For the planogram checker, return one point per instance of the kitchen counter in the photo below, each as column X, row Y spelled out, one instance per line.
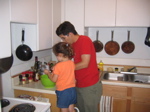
column 38, row 87
column 35, row 87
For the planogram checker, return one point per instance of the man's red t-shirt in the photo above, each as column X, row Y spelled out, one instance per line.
column 90, row 75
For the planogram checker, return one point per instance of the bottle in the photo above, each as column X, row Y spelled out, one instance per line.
column 101, row 64
column 36, row 68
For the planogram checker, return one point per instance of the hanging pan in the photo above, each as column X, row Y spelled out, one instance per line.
column 112, row 47
column 98, row 45
column 6, row 63
column 24, row 52
column 128, row 46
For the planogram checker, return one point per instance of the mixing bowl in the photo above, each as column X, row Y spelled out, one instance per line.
column 46, row 82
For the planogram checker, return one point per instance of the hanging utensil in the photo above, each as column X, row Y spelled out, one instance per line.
column 5, row 64
column 98, row 45
column 128, row 46
column 112, row 47
column 24, row 52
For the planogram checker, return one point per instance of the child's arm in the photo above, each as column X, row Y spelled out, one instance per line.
column 52, row 76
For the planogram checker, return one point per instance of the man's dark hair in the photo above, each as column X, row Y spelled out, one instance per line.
column 65, row 28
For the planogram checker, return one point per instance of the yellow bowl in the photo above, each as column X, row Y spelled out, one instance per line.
column 46, row 82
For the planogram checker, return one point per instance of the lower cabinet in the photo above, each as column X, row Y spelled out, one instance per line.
column 52, row 98
column 128, row 99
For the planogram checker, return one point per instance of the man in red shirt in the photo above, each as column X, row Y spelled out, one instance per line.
column 88, row 85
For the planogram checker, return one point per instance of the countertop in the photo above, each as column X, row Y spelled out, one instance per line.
column 38, row 87
column 35, row 87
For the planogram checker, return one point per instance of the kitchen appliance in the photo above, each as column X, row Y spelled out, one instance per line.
column 35, row 106
column 147, row 39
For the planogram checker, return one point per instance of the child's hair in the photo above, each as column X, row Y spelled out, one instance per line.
column 64, row 48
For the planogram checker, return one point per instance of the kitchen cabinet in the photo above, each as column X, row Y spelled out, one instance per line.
column 45, row 14
column 5, row 40
column 117, row 13
column 140, row 100
column 100, row 13
column 73, row 11
column 133, row 13
column 128, row 99
column 52, row 98
column 24, row 11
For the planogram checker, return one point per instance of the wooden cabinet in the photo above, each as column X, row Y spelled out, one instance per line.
column 133, row 13
column 52, row 98
column 128, row 99
column 140, row 100
column 100, row 12
column 119, row 94
column 73, row 11
column 45, row 14
column 5, row 40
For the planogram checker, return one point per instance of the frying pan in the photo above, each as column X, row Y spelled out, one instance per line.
column 5, row 64
column 112, row 47
column 128, row 46
column 98, row 45
column 24, row 52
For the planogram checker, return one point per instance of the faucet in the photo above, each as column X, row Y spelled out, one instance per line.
column 129, row 70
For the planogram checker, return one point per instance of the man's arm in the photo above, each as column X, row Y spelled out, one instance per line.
column 85, row 59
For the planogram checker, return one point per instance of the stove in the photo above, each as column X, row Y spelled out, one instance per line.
column 23, row 105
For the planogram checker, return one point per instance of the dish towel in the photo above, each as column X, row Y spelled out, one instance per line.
column 106, row 104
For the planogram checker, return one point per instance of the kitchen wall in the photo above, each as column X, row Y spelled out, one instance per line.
column 19, row 66
column 139, row 57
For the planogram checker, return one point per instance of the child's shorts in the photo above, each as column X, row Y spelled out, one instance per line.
column 66, row 97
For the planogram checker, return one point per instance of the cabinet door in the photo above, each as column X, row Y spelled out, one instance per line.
column 73, row 11
column 56, row 20
column 119, row 105
column 100, row 12
column 140, row 100
column 24, row 11
column 133, row 13
column 5, row 41
column 45, row 24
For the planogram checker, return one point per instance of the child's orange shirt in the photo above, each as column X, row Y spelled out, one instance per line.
column 66, row 76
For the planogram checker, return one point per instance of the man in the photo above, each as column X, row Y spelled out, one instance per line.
column 89, row 88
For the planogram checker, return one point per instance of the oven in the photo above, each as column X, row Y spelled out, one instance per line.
column 24, row 105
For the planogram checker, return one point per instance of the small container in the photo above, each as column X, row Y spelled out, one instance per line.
column 101, row 64
column 120, row 78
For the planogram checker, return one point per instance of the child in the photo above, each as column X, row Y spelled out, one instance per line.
column 63, row 75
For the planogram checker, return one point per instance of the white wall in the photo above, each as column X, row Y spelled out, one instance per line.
column 19, row 66
column 139, row 57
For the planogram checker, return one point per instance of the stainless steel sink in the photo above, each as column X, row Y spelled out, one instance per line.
column 138, row 78
column 115, row 76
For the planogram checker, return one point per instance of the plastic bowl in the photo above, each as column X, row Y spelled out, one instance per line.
column 46, row 82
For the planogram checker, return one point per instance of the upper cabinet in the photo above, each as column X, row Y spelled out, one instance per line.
column 5, row 40
column 24, row 11
column 133, row 13
column 73, row 11
column 100, row 12
column 41, row 13
column 117, row 13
